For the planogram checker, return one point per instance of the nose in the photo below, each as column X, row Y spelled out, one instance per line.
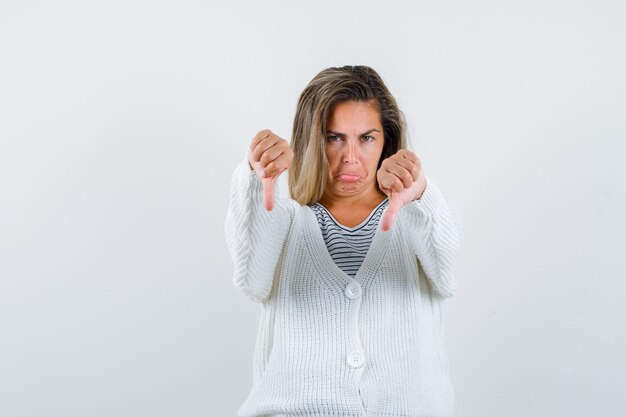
column 350, row 152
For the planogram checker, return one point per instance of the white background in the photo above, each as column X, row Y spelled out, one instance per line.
column 121, row 123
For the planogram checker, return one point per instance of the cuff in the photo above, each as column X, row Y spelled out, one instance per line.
column 256, row 186
column 432, row 200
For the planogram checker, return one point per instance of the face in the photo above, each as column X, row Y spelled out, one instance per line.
column 354, row 144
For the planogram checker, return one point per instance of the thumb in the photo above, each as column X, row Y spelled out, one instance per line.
column 395, row 204
column 268, row 192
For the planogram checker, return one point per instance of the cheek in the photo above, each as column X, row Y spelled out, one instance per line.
column 331, row 157
column 373, row 159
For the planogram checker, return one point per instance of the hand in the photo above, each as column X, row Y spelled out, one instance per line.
column 402, row 178
column 269, row 156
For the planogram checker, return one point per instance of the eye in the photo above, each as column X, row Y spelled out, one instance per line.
column 371, row 138
column 333, row 137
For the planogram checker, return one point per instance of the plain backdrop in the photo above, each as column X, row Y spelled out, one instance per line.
column 121, row 123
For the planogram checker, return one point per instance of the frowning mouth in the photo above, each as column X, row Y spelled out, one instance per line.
column 348, row 177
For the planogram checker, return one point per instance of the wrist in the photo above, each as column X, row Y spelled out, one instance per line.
column 418, row 198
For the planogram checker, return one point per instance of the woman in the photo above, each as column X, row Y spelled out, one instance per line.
column 351, row 270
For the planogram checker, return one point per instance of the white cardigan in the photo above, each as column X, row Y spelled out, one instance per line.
column 327, row 344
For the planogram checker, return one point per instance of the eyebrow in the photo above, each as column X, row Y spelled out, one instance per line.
column 343, row 134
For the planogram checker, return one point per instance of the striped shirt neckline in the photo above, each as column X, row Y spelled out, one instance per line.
column 348, row 246
column 351, row 229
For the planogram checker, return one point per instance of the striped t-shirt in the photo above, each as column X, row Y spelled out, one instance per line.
column 348, row 245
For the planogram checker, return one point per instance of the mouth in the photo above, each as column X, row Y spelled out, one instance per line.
column 348, row 177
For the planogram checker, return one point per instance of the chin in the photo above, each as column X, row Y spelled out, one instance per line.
column 350, row 186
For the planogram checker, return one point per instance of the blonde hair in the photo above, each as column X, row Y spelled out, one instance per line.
column 308, row 172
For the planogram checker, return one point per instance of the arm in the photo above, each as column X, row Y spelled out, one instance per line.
column 255, row 236
column 434, row 230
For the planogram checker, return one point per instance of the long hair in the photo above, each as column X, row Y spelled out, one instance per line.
column 308, row 172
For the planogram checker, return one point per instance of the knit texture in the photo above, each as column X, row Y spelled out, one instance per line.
column 332, row 345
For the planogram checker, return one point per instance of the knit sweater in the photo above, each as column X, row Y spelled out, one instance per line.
column 329, row 345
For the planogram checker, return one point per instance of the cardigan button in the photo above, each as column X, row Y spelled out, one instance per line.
column 353, row 290
column 356, row 359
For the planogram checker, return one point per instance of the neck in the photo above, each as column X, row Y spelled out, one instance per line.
column 370, row 198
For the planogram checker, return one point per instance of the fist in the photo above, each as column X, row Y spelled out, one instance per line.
column 269, row 155
column 402, row 178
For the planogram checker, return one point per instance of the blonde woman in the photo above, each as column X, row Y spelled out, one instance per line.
column 351, row 269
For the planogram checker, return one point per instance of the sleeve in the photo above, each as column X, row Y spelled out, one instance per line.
column 255, row 236
column 434, row 228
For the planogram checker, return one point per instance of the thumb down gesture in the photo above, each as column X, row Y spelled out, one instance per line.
column 402, row 178
column 269, row 155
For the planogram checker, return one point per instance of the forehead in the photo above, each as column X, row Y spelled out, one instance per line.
column 353, row 114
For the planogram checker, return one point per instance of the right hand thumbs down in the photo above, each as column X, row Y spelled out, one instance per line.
column 269, row 156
